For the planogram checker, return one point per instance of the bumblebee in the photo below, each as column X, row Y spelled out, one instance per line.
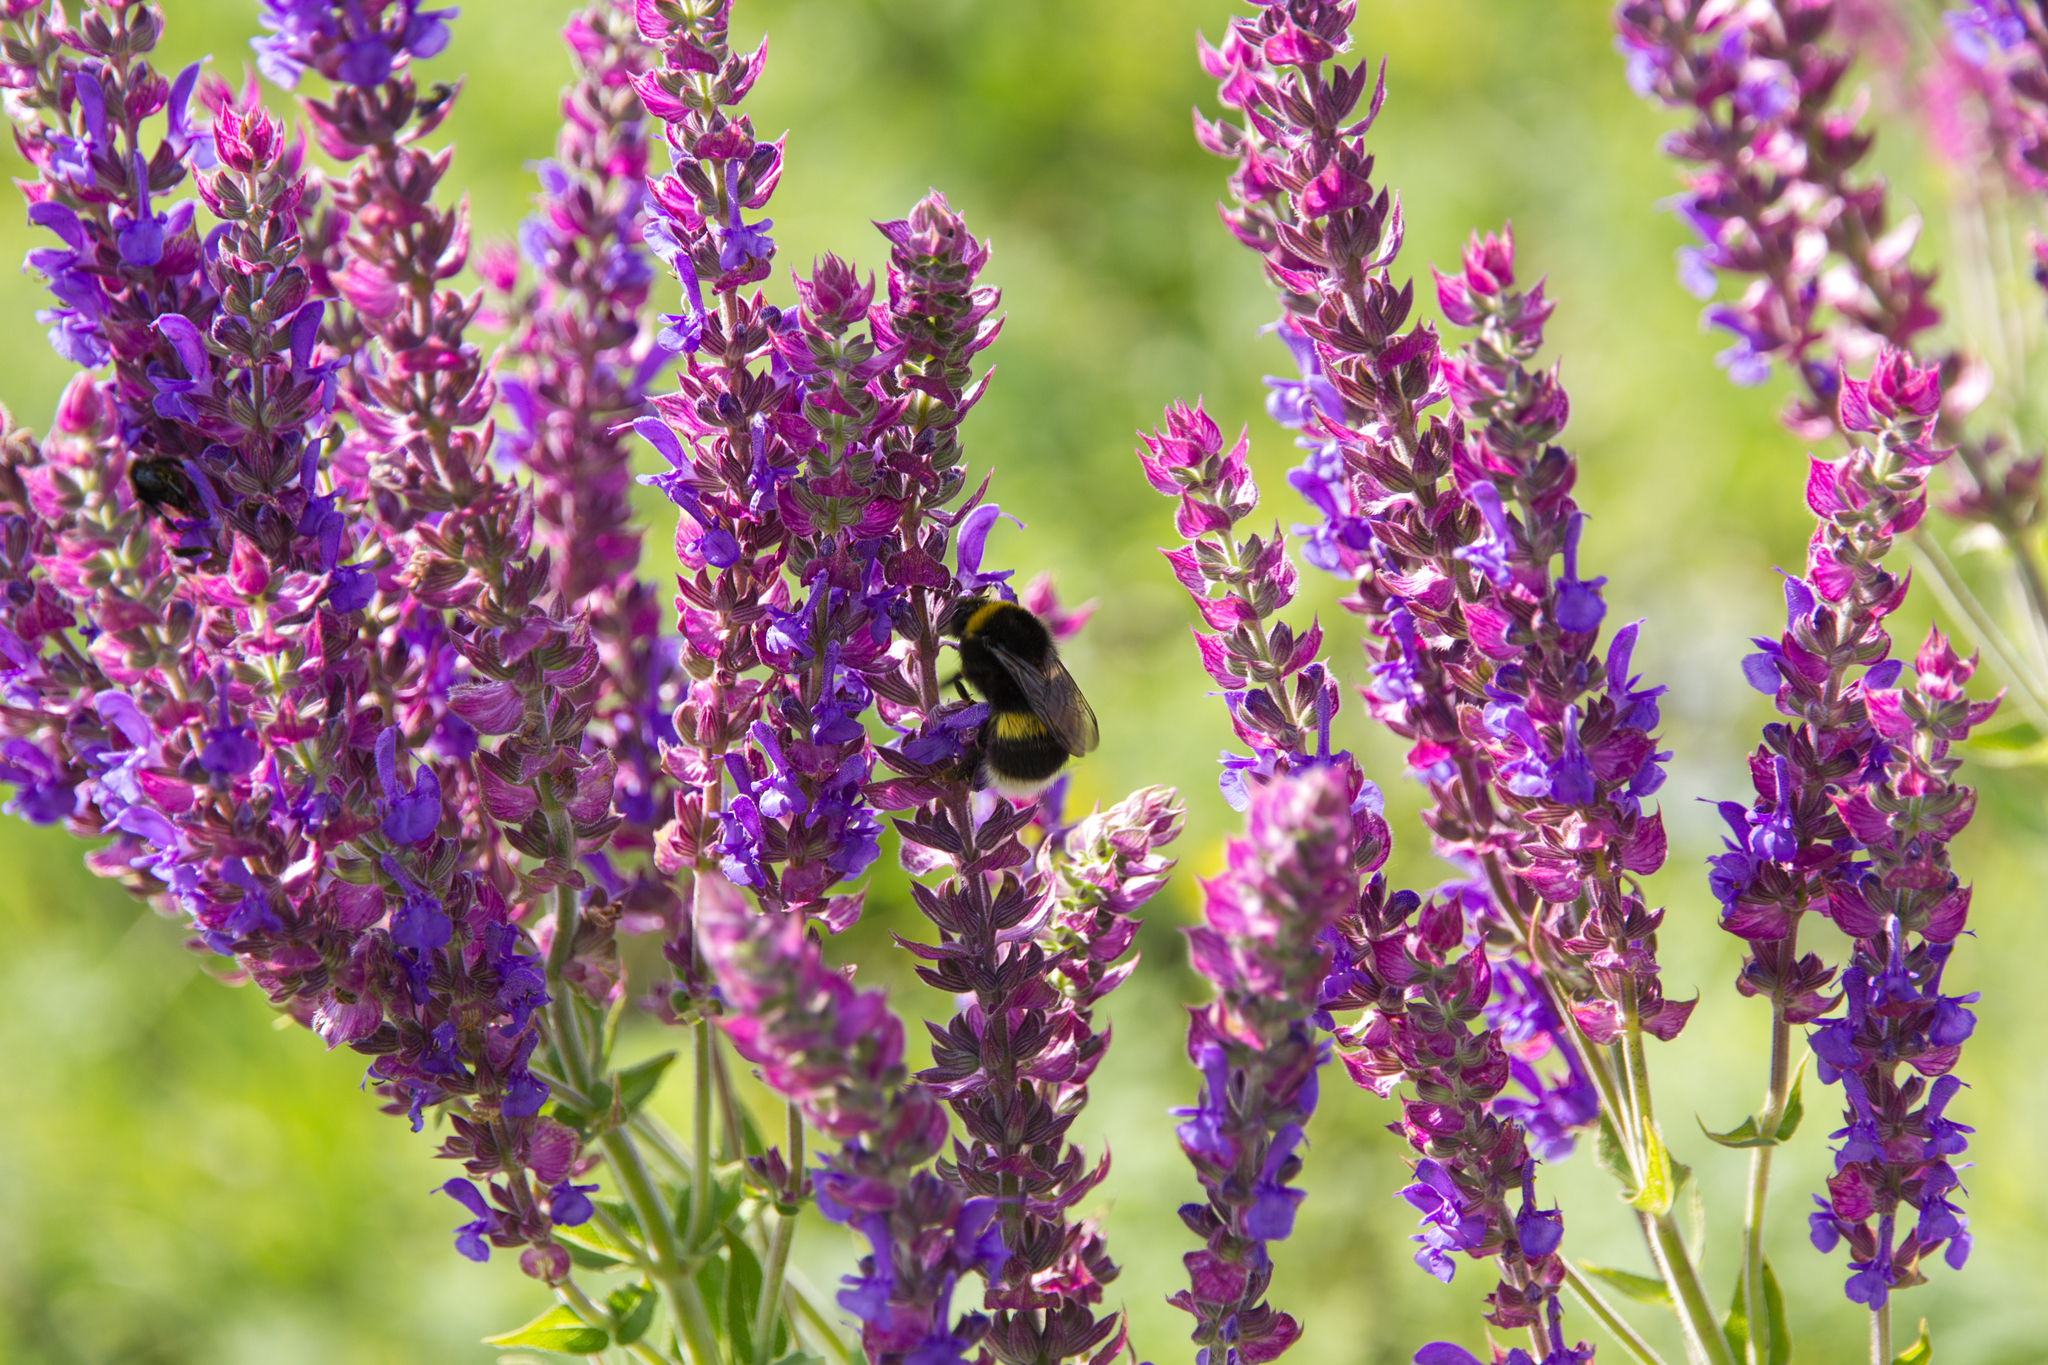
column 161, row 484
column 1037, row 717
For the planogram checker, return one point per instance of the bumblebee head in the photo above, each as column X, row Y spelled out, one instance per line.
column 954, row 621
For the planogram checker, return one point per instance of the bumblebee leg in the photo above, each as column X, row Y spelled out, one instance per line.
column 958, row 683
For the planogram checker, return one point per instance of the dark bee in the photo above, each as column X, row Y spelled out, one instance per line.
column 1037, row 717
column 162, row 485
column 430, row 103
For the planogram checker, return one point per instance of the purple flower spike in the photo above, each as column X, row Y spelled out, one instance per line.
column 838, row 1053
column 1262, row 944
column 1856, row 805
column 1447, row 526
column 202, row 460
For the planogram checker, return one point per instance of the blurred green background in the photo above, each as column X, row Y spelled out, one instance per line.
column 182, row 1182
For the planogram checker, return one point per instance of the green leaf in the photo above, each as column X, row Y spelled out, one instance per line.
column 621, row 1213
column 611, row 1030
column 593, row 1248
column 1695, row 1212
column 1795, row 1107
column 2007, row 746
column 632, row 1308
column 638, row 1082
column 728, row 1192
column 729, row 1189
column 584, row 1257
column 711, row 1282
column 1613, row 1157
column 612, row 1101
column 1777, row 1334
column 1751, row 1133
column 1641, row 1288
column 742, row 1295
column 1920, row 1352
column 1746, row 1135
column 1657, row 1191
column 1781, row 1329
column 800, row 1358
column 558, row 1329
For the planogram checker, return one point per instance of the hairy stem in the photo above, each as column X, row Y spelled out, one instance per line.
column 1638, row 1067
column 1760, row 1166
column 678, row 1285
column 1705, row 1343
column 663, row 1144
column 567, row 1040
column 771, row 1286
column 773, row 1268
column 732, row 1130
column 700, row 1182
column 1617, row 1326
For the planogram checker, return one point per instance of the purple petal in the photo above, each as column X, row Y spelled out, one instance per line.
column 186, row 340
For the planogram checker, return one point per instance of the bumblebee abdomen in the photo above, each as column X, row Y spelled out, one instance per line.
column 1020, row 752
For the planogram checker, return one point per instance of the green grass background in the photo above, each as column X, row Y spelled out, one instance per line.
column 182, row 1182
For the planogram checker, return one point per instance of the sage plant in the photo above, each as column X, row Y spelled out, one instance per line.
column 332, row 633
column 816, row 466
column 1854, row 809
column 1773, row 191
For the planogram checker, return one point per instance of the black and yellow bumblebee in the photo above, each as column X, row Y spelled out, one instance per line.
column 161, row 484
column 1037, row 717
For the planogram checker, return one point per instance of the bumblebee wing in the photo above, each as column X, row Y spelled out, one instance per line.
column 1055, row 699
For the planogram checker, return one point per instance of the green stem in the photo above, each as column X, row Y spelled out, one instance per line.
column 572, row 1294
column 1638, row 1065
column 663, row 1144
column 728, row 1108
column 1760, row 1168
column 2030, row 577
column 559, row 1086
column 597, row 1315
column 772, row 1270
column 1617, row 1326
column 700, row 1183
column 1611, row 1100
column 645, row 1200
column 642, row 1351
column 1705, row 1343
column 778, row 1247
column 568, row 1039
column 619, row 1233
column 686, row 1306
column 678, row 1286
column 1881, row 1334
